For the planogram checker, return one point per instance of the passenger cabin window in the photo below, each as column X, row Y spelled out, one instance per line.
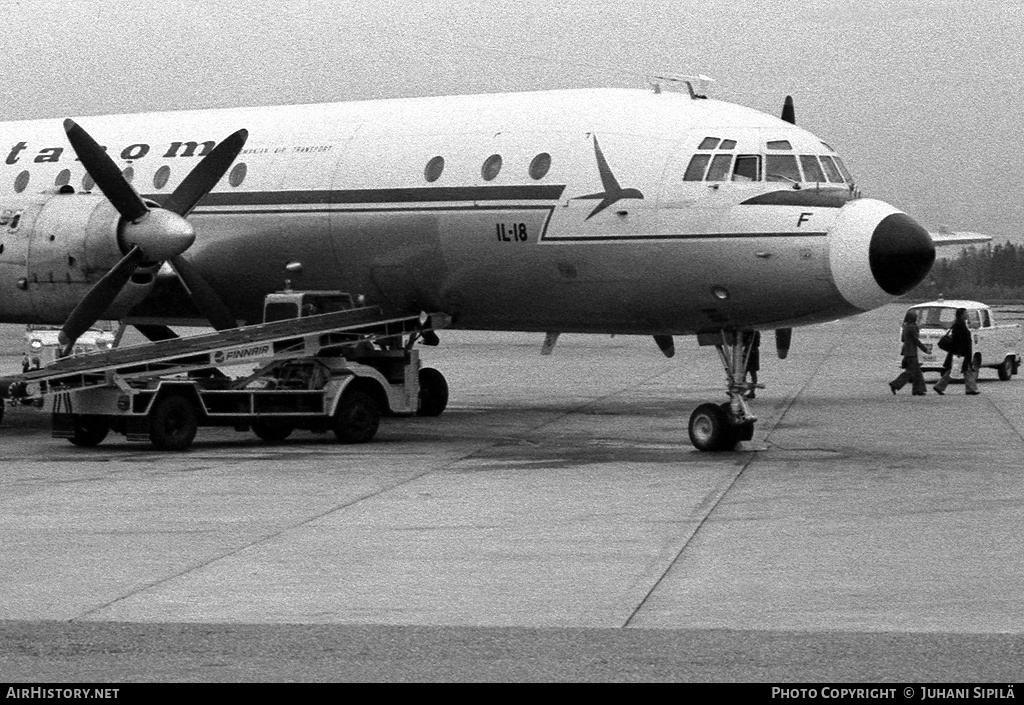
column 540, row 165
column 781, row 167
column 434, row 168
column 973, row 319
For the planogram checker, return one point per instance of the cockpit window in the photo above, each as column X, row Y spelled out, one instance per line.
column 720, row 166
column 780, row 144
column 727, row 144
column 831, row 170
column 695, row 170
column 709, row 143
column 748, row 168
column 812, row 170
column 781, row 167
column 843, row 170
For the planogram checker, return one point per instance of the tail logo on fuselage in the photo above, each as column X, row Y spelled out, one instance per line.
column 612, row 191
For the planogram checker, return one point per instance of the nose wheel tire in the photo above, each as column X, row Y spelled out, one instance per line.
column 712, row 431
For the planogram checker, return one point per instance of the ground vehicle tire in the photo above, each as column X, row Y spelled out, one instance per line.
column 433, row 393
column 173, row 423
column 272, row 430
column 710, row 429
column 89, row 431
column 1005, row 370
column 356, row 418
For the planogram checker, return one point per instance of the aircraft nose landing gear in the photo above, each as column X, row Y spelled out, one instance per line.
column 718, row 427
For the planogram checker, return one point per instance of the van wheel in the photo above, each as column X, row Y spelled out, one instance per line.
column 1005, row 370
column 173, row 423
column 89, row 432
column 357, row 418
column 433, row 393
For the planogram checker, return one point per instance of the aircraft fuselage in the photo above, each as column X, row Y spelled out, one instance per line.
column 571, row 211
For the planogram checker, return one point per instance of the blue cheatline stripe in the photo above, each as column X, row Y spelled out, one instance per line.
column 455, row 194
column 681, row 236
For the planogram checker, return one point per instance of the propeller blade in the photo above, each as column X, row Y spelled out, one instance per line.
column 666, row 345
column 105, row 173
column 789, row 111
column 201, row 180
column 783, row 339
column 206, row 299
column 90, row 308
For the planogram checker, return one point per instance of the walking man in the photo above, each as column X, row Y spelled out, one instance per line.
column 911, row 339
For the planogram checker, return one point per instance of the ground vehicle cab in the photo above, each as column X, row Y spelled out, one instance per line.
column 995, row 345
column 42, row 345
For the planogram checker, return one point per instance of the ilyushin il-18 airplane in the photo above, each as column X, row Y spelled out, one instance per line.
column 656, row 212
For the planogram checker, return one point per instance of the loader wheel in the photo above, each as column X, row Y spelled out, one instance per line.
column 173, row 423
column 357, row 417
column 433, row 393
column 89, row 432
column 273, row 430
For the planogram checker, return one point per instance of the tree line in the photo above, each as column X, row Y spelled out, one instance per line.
column 988, row 273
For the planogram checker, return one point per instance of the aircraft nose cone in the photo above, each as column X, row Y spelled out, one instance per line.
column 901, row 254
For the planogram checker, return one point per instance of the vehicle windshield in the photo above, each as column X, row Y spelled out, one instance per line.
column 943, row 317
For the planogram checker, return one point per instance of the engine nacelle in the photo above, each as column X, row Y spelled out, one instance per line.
column 55, row 251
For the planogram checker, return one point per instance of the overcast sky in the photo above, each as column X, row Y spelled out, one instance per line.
column 923, row 99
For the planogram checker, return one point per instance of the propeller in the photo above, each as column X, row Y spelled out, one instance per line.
column 149, row 234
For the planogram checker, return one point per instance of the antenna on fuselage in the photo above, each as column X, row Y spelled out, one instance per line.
column 676, row 82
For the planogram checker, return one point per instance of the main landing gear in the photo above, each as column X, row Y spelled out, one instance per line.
column 718, row 427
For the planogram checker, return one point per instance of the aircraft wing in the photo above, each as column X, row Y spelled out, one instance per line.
column 948, row 237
